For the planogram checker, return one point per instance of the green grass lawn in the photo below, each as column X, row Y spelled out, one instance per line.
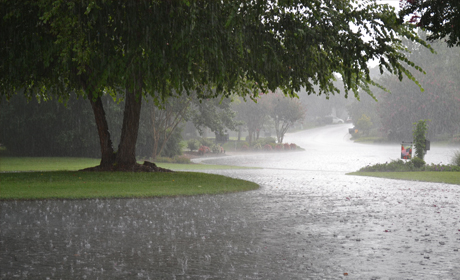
column 425, row 176
column 79, row 185
column 65, row 182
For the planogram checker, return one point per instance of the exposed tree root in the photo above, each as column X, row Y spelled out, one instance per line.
column 146, row 167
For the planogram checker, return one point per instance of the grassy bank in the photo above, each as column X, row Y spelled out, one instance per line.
column 18, row 164
column 414, row 170
column 80, row 185
column 425, row 176
column 57, row 178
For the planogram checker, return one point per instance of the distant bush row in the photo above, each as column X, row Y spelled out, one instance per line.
column 269, row 147
column 416, row 164
column 265, row 144
column 203, row 145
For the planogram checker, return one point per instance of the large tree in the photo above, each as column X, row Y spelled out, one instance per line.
column 138, row 48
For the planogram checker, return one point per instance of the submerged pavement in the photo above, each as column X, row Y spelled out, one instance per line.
column 307, row 221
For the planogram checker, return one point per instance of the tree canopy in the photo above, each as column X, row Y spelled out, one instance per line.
column 440, row 17
column 138, row 48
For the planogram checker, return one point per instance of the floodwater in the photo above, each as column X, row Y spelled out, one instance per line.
column 307, row 221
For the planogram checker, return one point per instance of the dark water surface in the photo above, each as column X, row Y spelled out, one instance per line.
column 307, row 221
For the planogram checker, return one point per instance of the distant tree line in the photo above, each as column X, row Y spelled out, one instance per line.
column 52, row 128
column 395, row 112
column 273, row 111
column 30, row 128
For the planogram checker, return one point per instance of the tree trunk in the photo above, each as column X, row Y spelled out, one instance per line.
column 156, row 136
column 278, row 132
column 107, row 155
column 125, row 158
column 126, row 155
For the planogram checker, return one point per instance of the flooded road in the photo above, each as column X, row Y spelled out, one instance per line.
column 307, row 221
column 330, row 149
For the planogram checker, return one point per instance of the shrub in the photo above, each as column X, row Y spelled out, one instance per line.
column 217, row 149
column 181, row 159
column 278, row 147
column 293, row 146
column 418, row 162
column 257, row 147
column 244, row 147
column 203, row 150
column 192, row 144
column 263, row 141
column 173, row 146
column 255, row 142
column 206, row 142
column 287, row 146
column 268, row 147
column 441, row 167
column 456, row 158
column 240, row 145
column 400, row 165
column 364, row 124
column 394, row 165
column 268, row 140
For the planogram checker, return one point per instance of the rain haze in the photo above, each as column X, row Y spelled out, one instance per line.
column 309, row 219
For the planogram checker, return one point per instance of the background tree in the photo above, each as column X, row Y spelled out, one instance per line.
column 365, row 106
column 50, row 48
column 364, row 124
column 439, row 101
column 284, row 111
column 254, row 115
column 165, row 120
column 30, row 128
column 215, row 114
column 319, row 107
column 404, row 104
column 419, row 133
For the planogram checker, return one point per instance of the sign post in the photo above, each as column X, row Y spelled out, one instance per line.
column 406, row 150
